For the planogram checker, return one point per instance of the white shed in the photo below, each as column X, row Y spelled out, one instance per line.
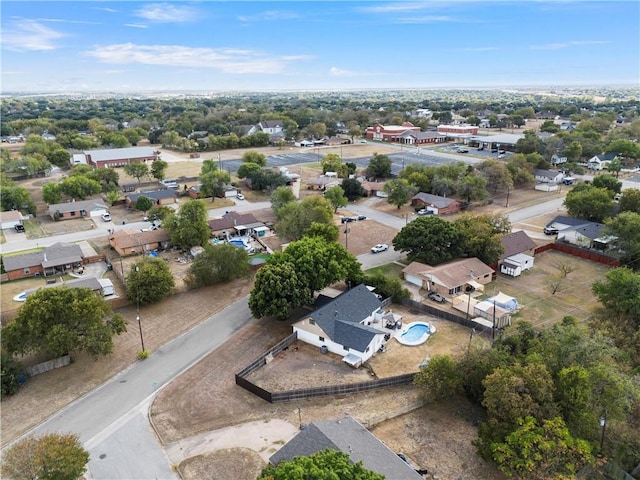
column 516, row 264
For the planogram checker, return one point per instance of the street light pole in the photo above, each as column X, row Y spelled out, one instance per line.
column 138, row 309
column 346, row 238
column 603, row 424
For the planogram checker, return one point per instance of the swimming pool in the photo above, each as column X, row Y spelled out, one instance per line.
column 237, row 243
column 416, row 333
column 21, row 297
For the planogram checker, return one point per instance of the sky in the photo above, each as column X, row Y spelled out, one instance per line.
column 130, row 46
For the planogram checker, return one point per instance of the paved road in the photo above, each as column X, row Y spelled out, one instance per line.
column 111, row 420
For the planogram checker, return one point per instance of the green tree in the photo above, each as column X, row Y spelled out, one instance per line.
column 326, row 231
column 481, row 240
column 496, row 174
column 79, row 187
column 590, row 203
column 113, row 196
column 379, row 166
column 61, row 320
column 430, row 240
column 542, row 450
column 144, row 203
column 609, row 182
column 615, row 166
column 160, row 212
column 441, row 378
column 248, row 169
column 217, row 264
column 399, row 191
column 630, row 200
column 327, row 464
column 626, row 228
column 573, row 151
column 333, row 163
column 280, row 197
column 352, row 189
column 623, row 147
column 213, row 183
column 472, row 187
column 254, row 157
column 53, row 456
column 51, row 193
column 149, row 281
column 136, row 170
column 335, row 195
column 297, row 217
column 60, row 157
column 16, row 198
column 189, row 226
column 387, row 286
column 11, row 372
column 159, row 169
column 277, row 290
column 107, row 177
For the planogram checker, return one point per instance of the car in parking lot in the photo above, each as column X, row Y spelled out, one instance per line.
column 380, row 247
column 240, row 196
column 106, row 217
column 462, row 150
column 436, row 297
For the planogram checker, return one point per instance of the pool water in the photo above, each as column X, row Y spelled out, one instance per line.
column 415, row 333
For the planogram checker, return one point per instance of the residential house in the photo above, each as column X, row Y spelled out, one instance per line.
column 272, row 127
column 352, row 438
column 130, row 242
column 337, row 141
column 450, row 279
column 601, row 161
column 562, row 222
column 567, row 126
column 194, row 191
column 412, row 137
column 558, row 160
column 158, row 197
column 436, row 204
column 57, row 258
column 518, row 253
column 323, row 182
column 586, row 235
column 341, row 128
column 234, row 224
column 79, row 209
column 342, row 326
column 421, row 113
column 103, row 286
column 115, row 157
column 548, row 176
column 10, row 219
column 389, row 133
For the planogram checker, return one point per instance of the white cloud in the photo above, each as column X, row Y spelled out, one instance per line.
column 395, row 7
column 62, row 20
column 30, row 35
column 573, row 43
column 136, row 25
column 106, row 9
column 270, row 15
column 338, row 72
column 227, row 60
column 165, row 12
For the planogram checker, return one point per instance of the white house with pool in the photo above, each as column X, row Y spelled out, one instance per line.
column 343, row 326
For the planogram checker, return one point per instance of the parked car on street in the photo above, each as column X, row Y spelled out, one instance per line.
column 106, row 217
column 380, row 247
column 361, row 217
column 436, row 297
column 348, row 219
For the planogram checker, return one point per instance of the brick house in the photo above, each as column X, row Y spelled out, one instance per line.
column 79, row 209
column 436, row 204
column 129, row 242
column 158, row 197
column 57, row 258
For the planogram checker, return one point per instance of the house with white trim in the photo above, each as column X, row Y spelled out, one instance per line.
column 343, row 326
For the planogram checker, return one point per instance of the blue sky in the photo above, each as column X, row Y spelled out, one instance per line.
column 98, row 46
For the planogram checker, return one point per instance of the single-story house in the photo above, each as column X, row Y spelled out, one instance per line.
column 436, row 204
column 114, row 157
column 194, row 191
column 59, row 257
column 78, row 209
column 352, row 438
column 601, row 161
column 323, row 182
column 234, row 224
column 342, row 326
column 272, row 127
column 104, row 286
column 517, row 255
column 229, row 191
column 337, row 141
column 459, row 276
column 558, row 160
column 583, row 235
column 373, row 188
column 129, row 242
column 562, row 222
column 158, row 197
column 548, row 176
column 10, row 219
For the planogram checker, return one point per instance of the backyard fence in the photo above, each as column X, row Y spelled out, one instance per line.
column 302, row 393
column 587, row 254
column 451, row 317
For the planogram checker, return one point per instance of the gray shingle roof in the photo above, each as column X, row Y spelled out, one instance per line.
column 590, row 230
column 561, row 220
column 86, row 205
column 340, row 319
column 52, row 256
column 437, row 201
column 153, row 195
column 119, row 153
column 516, row 242
column 352, row 438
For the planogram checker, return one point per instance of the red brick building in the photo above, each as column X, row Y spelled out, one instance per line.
column 458, row 129
column 389, row 133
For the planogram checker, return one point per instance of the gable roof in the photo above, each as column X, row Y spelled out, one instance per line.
column 232, row 219
column 271, row 124
column 452, row 274
column 604, row 157
column 550, row 174
column 567, row 221
column 350, row 437
column 86, row 205
column 435, row 200
column 11, row 216
column 591, row 230
column 52, row 256
column 130, row 238
column 104, row 155
column 340, row 319
column 516, row 242
column 153, row 195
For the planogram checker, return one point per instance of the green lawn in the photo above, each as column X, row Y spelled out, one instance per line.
column 33, row 229
column 390, row 269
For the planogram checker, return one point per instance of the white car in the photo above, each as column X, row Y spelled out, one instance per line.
column 381, row 247
column 240, row 196
column 106, row 217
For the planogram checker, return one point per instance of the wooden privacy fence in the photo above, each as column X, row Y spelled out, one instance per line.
column 301, row 393
column 576, row 251
column 451, row 317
